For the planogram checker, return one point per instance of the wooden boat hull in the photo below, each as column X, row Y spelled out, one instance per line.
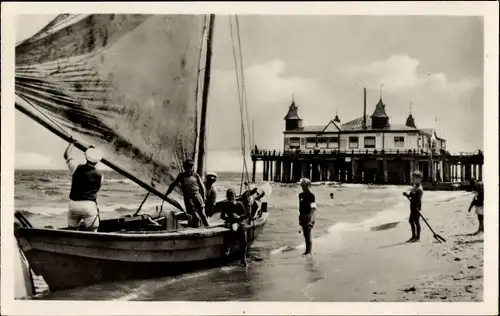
column 68, row 259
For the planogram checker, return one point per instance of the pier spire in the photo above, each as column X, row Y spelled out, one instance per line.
column 336, row 119
column 292, row 118
column 410, row 121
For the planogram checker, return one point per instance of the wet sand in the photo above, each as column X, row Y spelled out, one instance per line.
column 353, row 263
column 379, row 266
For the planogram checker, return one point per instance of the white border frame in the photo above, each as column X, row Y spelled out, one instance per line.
column 489, row 10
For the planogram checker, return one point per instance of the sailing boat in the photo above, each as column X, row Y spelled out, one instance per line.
column 128, row 84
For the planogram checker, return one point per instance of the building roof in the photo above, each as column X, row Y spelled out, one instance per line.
column 357, row 125
column 293, row 112
column 428, row 131
column 309, row 129
column 438, row 138
column 336, row 119
column 380, row 110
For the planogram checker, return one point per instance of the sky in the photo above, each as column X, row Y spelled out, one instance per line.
column 434, row 63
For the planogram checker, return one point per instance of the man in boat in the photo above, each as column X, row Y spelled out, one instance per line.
column 211, row 193
column 193, row 191
column 415, row 197
column 233, row 213
column 83, row 212
column 249, row 199
column 478, row 203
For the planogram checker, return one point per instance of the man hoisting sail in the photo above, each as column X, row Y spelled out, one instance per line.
column 83, row 212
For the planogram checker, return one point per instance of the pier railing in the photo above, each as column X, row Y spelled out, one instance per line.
column 261, row 153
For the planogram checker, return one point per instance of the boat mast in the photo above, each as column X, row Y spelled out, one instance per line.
column 204, row 101
column 108, row 163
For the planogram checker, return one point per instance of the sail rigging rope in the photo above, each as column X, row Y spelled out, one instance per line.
column 240, row 102
column 244, row 105
column 250, row 140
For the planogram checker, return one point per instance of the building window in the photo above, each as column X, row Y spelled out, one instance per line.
column 322, row 142
column 333, row 142
column 370, row 142
column 294, row 142
column 433, row 144
column 399, row 141
column 353, row 142
column 419, row 142
column 287, row 141
column 302, row 141
column 310, row 142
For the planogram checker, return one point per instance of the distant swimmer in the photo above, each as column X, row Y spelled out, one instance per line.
column 86, row 181
column 415, row 197
column 193, row 191
column 478, row 203
column 331, row 195
column 307, row 208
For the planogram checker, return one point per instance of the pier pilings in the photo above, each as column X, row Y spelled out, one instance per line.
column 358, row 166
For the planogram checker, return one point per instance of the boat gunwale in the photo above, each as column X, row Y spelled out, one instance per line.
column 182, row 234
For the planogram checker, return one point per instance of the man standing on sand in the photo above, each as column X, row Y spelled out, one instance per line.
column 211, row 194
column 193, row 191
column 86, row 181
column 307, row 208
column 478, row 202
column 415, row 197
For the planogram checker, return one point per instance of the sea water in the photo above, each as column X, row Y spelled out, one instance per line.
column 42, row 196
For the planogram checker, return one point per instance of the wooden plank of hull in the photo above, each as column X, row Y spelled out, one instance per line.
column 68, row 259
column 61, row 271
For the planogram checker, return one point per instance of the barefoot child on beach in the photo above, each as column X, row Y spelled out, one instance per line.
column 307, row 208
column 415, row 197
column 478, row 202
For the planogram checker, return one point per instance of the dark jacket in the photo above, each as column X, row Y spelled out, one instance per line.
column 85, row 183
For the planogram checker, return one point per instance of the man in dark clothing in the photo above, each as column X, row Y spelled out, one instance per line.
column 234, row 214
column 249, row 199
column 211, row 200
column 193, row 191
column 415, row 197
column 86, row 181
column 307, row 208
column 478, row 202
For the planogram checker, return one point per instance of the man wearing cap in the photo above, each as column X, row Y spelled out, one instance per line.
column 85, row 184
column 211, row 193
column 415, row 197
column 193, row 191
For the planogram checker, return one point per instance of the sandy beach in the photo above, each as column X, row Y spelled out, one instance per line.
column 381, row 267
column 358, row 262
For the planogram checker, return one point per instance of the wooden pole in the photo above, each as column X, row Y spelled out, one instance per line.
column 204, row 101
column 271, row 169
column 254, row 165
column 104, row 161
